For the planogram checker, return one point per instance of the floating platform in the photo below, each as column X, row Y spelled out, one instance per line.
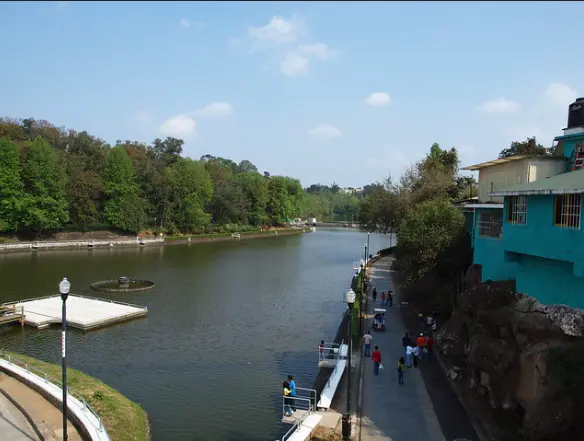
column 82, row 312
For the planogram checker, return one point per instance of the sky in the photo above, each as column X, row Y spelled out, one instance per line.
column 344, row 92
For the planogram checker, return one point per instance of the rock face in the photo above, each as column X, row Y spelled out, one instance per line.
column 504, row 342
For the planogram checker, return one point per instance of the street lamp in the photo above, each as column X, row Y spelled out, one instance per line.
column 64, row 288
column 368, row 243
column 346, row 426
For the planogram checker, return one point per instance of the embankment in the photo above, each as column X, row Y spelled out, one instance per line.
column 123, row 419
column 143, row 241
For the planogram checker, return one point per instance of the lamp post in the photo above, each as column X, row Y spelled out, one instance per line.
column 64, row 288
column 367, row 242
column 346, row 427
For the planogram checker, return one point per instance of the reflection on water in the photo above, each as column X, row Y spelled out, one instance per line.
column 227, row 321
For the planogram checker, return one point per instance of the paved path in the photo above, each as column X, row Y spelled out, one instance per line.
column 46, row 417
column 13, row 424
column 390, row 411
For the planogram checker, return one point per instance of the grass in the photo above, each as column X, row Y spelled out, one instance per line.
column 195, row 237
column 324, row 434
column 123, row 419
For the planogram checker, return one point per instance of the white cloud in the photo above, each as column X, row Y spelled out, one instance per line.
column 179, row 126
column 215, row 109
column 559, row 95
column 500, row 105
column 278, row 30
column 325, row 131
column 294, row 65
column 184, row 23
column 378, row 99
column 321, row 51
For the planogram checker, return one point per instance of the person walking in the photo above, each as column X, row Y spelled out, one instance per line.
column 376, row 357
column 421, row 343
column 374, row 295
column 406, row 341
column 382, row 298
column 409, row 355
column 416, row 355
column 390, row 298
column 401, row 367
column 367, row 339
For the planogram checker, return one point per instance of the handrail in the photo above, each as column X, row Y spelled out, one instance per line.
column 48, row 379
column 75, row 295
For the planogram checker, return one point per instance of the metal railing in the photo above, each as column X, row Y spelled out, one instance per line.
column 76, row 295
column 329, row 354
column 51, row 380
column 305, row 402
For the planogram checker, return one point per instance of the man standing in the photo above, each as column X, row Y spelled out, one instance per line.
column 367, row 341
column 292, row 394
column 376, row 357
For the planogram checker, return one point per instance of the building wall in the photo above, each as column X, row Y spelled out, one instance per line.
column 500, row 176
column 549, row 281
column 568, row 144
column 541, row 238
column 490, row 254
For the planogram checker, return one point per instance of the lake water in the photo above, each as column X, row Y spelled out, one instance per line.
column 227, row 322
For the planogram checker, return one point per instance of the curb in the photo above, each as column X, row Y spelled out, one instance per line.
column 474, row 422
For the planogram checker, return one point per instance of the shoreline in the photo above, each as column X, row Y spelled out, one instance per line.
column 141, row 242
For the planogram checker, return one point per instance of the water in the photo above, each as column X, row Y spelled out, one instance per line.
column 227, row 322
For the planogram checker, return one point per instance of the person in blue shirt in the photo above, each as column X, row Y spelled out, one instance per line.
column 292, row 385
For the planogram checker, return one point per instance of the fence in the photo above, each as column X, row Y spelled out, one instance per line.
column 48, row 380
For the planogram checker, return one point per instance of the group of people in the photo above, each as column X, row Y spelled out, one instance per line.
column 415, row 351
column 386, row 297
column 289, row 392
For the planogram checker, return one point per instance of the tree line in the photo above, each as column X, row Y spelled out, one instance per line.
column 54, row 179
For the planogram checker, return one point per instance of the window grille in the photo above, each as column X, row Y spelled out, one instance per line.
column 567, row 211
column 491, row 224
column 517, row 210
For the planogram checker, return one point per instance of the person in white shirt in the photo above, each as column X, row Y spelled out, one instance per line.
column 409, row 355
column 367, row 339
column 416, row 354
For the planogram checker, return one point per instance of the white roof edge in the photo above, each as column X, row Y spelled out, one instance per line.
column 482, row 206
column 537, row 192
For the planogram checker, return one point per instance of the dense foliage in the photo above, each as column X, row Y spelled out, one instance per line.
column 529, row 147
column 53, row 179
column 433, row 249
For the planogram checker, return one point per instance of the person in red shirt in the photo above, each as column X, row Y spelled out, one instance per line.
column 430, row 346
column 376, row 357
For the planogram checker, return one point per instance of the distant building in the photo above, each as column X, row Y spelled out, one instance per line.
column 354, row 191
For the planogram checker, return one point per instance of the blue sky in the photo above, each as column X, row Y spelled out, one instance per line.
column 344, row 92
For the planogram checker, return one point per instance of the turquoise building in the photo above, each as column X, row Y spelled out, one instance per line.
column 531, row 231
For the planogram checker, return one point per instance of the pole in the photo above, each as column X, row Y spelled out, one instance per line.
column 368, row 242
column 347, row 418
column 64, row 363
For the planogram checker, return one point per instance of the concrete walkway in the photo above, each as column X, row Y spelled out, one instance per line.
column 13, row 424
column 390, row 411
column 46, row 417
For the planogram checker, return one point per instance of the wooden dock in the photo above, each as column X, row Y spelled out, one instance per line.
column 82, row 312
column 11, row 314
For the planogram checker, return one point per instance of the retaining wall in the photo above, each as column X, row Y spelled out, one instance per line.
column 87, row 424
column 77, row 244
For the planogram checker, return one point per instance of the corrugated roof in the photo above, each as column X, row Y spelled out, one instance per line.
column 566, row 183
column 508, row 159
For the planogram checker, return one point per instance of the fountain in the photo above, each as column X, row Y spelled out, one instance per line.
column 123, row 284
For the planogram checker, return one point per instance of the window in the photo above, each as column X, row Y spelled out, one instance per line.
column 491, row 224
column 517, row 210
column 567, row 210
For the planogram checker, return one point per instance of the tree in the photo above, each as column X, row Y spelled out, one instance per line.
column 124, row 208
column 529, row 147
column 44, row 206
column 191, row 189
column 425, row 232
column 11, row 186
column 246, row 166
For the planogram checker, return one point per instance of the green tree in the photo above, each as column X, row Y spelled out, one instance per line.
column 255, row 190
column 529, row 147
column 45, row 206
column 11, row 186
column 191, row 189
column 124, row 208
column 424, row 233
